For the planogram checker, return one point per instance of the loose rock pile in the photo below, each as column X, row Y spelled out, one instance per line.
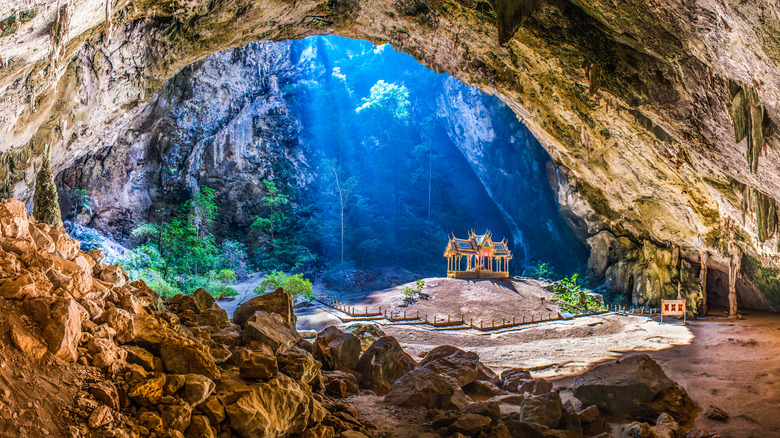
column 182, row 368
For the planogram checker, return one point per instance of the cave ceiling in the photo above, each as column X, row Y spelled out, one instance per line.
column 640, row 103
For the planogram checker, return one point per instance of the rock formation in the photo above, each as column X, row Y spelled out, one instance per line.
column 658, row 114
column 116, row 361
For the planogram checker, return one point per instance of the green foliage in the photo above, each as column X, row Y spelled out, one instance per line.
column 540, row 270
column 181, row 255
column 280, row 233
column 295, row 284
column 389, row 97
column 573, row 299
column 226, row 276
column 409, row 293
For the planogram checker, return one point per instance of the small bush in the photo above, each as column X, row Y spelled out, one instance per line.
column 298, row 286
column 572, row 298
column 540, row 270
column 226, row 276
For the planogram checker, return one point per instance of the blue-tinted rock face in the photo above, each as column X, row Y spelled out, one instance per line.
column 427, row 155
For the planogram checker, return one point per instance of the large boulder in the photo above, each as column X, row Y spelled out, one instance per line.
column 279, row 302
column 60, row 319
column 300, row 365
column 340, row 384
column 184, row 356
column 368, row 333
column 19, row 288
column 14, row 223
column 122, row 321
column 269, row 329
column 512, row 378
column 462, row 366
column 256, row 364
column 422, row 387
column 393, row 361
column 544, row 409
column 274, row 408
column 335, row 349
column 196, row 389
column 636, row 387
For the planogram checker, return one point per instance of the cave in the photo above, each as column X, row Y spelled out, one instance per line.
column 632, row 145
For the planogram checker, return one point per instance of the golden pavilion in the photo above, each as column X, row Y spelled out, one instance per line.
column 477, row 257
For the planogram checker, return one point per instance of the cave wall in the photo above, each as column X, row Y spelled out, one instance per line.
column 636, row 101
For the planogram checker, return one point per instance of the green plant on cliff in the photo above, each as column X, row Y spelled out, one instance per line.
column 572, row 298
column 46, row 208
column 298, row 286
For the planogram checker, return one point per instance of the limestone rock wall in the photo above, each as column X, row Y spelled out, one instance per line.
column 647, row 104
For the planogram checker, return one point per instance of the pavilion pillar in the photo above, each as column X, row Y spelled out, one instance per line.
column 705, row 256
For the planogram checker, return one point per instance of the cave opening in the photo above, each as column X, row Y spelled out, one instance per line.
column 290, row 135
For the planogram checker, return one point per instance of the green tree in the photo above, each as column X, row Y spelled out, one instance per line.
column 386, row 96
column 295, row 284
column 278, row 205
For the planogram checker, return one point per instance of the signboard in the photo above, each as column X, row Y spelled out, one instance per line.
column 672, row 308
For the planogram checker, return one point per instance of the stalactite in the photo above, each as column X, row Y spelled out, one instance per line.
column 766, row 214
column 594, row 81
column 510, row 13
column 108, row 19
column 747, row 115
column 46, row 207
column 764, row 208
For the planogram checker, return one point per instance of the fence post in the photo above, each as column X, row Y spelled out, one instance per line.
column 404, row 313
column 448, row 317
column 480, row 324
column 513, row 320
column 493, row 323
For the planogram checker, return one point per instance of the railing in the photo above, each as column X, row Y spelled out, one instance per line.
column 400, row 315
column 634, row 310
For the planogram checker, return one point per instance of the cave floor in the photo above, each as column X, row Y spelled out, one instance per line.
column 732, row 365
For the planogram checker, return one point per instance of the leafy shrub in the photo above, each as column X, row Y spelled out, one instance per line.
column 226, row 276
column 298, row 286
column 540, row 270
column 572, row 298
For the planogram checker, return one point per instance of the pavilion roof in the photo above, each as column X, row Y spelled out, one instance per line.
column 476, row 243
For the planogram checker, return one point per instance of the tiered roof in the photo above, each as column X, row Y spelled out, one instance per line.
column 475, row 244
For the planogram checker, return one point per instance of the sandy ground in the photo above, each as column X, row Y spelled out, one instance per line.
column 550, row 349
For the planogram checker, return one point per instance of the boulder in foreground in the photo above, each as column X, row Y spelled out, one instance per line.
column 636, row 387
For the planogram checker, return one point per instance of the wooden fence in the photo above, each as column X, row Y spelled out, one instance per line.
column 402, row 315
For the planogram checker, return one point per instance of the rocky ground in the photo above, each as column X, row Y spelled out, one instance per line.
column 88, row 354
